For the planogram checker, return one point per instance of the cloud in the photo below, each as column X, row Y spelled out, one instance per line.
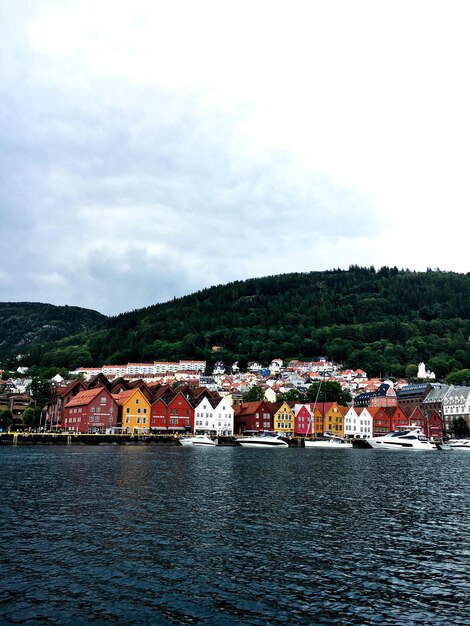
column 150, row 150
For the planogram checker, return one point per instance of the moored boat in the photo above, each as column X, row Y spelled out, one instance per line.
column 459, row 444
column 412, row 439
column 332, row 443
column 262, row 440
column 197, row 440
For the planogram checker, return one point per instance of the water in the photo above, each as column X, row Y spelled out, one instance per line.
column 225, row 536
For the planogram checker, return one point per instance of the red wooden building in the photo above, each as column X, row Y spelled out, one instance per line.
column 253, row 416
column 91, row 411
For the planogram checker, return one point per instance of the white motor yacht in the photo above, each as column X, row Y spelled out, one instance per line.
column 459, row 444
column 262, row 440
column 402, row 440
column 197, row 440
column 333, row 442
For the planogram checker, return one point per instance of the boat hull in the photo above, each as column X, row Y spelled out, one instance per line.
column 330, row 445
column 262, row 441
column 197, row 443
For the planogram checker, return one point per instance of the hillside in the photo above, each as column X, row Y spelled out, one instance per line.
column 25, row 324
column 384, row 321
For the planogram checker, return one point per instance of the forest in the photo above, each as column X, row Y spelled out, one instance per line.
column 24, row 324
column 383, row 321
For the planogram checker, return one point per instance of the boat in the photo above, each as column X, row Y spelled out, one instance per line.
column 459, row 444
column 197, row 440
column 412, row 439
column 332, row 442
column 262, row 440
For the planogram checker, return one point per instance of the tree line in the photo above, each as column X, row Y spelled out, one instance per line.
column 383, row 321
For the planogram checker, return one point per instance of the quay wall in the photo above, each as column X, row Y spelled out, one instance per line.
column 45, row 439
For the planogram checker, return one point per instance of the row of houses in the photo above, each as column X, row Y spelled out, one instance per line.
column 137, row 408
column 310, row 420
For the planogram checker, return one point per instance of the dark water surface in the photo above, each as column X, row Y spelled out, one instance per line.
column 146, row 535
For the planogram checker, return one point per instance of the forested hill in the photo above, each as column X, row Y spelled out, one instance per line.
column 383, row 321
column 24, row 324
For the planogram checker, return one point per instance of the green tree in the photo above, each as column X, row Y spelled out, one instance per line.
column 254, row 394
column 31, row 417
column 329, row 391
column 6, row 419
column 459, row 377
column 40, row 389
column 293, row 395
column 460, row 427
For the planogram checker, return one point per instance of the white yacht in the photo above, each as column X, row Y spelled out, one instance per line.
column 332, row 442
column 262, row 440
column 459, row 444
column 412, row 439
column 197, row 440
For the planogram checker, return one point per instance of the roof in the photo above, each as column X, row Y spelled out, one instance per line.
column 85, row 397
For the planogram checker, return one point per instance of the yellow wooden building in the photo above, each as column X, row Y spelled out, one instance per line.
column 284, row 420
column 134, row 411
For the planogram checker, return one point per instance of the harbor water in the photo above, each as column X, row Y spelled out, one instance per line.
column 231, row 535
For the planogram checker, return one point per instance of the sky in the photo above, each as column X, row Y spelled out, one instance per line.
column 150, row 149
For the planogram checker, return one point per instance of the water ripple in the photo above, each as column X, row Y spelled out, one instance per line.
column 229, row 536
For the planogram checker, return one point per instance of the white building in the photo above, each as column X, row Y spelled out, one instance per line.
column 358, row 421
column 456, row 404
column 193, row 366
column 216, row 416
column 424, row 373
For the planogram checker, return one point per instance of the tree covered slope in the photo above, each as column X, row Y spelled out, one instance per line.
column 25, row 324
column 384, row 321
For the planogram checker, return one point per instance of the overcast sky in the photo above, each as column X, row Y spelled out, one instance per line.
column 149, row 149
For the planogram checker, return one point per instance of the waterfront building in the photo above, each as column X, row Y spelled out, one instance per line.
column 303, row 424
column 134, row 411
column 284, row 420
column 214, row 415
column 256, row 416
column 351, row 421
column 359, row 422
column 180, row 413
column 433, row 402
column 381, row 424
column 399, row 420
column 91, row 411
column 456, row 404
column 434, row 426
column 333, row 418
column 60, row 396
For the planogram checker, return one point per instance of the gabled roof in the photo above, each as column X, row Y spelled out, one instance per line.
column 124, row 396
column 84, row 398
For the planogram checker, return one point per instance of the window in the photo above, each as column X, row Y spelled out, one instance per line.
column 103, row 399
column 128, row 410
